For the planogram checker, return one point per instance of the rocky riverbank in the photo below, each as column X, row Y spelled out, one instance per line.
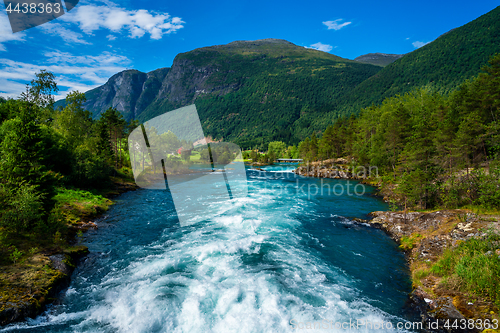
column 339, row 168
column 30, row 284
column 424, row 236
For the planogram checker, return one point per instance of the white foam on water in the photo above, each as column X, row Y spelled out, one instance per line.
column 243, row 269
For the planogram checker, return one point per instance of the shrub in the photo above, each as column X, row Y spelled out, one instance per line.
column 23, row 208
column 474, row 266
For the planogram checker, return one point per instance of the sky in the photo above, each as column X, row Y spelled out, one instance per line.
column 97, row 39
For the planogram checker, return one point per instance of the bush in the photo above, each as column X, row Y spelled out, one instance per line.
column 407, row 243
column 473, row 266
column 23, row 208
column 15, row 255
column 489, row 188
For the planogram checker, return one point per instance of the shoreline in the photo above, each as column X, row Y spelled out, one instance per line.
column 437, row 230
column 48, row 272
column 423, row 237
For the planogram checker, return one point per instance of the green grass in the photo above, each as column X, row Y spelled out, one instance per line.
column 469, row 268
column 407, row 243
column 480, row 210
column 195, row 156
column 76, row 204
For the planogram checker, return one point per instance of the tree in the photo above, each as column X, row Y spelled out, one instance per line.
column 41, row 89
column 22, row 151
column 185, row 154
column 73, row 122
column 111, row 127
column 23, row 208
column 277, row 147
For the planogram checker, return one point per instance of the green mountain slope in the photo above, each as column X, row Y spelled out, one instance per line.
column 254, row 91
column 445, row 63
column 378, row 59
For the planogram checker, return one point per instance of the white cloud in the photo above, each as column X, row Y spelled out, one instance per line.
column 418, row 44
column 73, row 72
column 336, row 25
column 321, row 47
column 69, row 36
column 138, row 22
column 6, row 34
column 91, row 17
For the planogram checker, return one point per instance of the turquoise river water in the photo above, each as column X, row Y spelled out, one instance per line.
column 278, row 260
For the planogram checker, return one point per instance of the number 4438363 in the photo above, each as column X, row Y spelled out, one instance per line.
column 471, row 324
column 34, row 7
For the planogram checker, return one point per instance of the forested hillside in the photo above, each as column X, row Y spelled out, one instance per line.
column 248, row 92
column 275, row 90
column 433, row 150
column 53, row 165
column 254, row 92
column 443, row 64
column 378, row 59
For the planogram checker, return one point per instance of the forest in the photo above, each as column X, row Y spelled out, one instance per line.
column 432, row 150
column 50, row 158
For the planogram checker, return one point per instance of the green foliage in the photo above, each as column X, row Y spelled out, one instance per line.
column 73, row 204
column 58, row 239
column 445, row 63
column 473, row 266
column 43, row 150
column 15, row 255
column 278, row 148
column 22, row 150
column 407, row 243
column 186, row 154
column 488, row 188
column 21, row 208
column 40, row 90
column 439, row 151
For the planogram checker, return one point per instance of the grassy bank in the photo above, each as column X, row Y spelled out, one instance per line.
column 33, row 268
column 454, row 255
column 468, row 270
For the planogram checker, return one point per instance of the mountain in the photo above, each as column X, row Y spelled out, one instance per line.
column 443, row 64
column 378, row 59
column 254, row 91
column 130, row 92
column 246, row 91
column 251, row 92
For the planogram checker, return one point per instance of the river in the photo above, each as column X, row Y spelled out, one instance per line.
column 277, row 260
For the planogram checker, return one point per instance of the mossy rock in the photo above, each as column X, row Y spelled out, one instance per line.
column 77, row 251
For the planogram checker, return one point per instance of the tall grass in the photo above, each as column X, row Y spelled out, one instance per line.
column 473, row 266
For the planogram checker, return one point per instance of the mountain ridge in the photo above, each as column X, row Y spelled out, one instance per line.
column 273, row 78
column 378, row 59
column 251, row 92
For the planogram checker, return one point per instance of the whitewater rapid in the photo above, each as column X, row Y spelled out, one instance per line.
column 269, row 262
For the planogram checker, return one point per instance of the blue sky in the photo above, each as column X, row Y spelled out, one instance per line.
column 97, row 39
